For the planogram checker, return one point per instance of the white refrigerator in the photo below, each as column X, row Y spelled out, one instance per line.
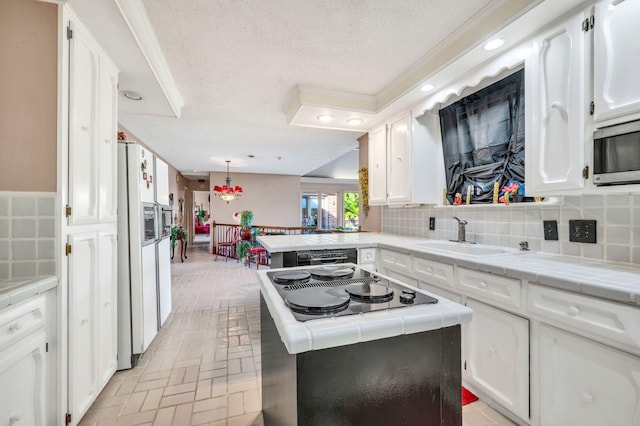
column 138, row 238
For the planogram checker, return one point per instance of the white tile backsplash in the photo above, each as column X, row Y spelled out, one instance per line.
column 618, row 228
column 27, row 234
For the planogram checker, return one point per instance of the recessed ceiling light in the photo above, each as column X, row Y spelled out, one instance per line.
column 325, row 117
column 493, row 44
column 355, row 121
column 427, row 88
column 130, row 94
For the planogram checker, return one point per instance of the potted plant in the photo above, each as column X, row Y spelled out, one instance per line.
column 246, row 219
column 177, row 234
column 242, row 250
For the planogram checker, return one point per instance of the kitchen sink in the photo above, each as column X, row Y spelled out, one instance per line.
column 467, row 248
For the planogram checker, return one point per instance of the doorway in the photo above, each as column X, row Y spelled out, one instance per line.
column 201, row 217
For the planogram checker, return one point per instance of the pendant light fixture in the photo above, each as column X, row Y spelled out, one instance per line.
column 227, row 192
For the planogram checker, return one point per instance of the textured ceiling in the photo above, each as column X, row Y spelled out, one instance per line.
column 237, row 65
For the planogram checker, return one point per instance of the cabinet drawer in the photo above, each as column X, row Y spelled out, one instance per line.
column 400, row 262
column 436, row 273
column 438, row 291
column 366, row 256
column 491, row 288
column 596, row 319
column 18, row 321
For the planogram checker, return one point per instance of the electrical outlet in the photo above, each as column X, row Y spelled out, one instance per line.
column 582, row 231
column 550, row 228
column 432, row 223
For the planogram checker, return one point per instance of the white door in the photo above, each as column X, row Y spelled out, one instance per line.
column 149, row 302
column 616, row 59
column 107, row 142
column 555, row 110
column 83, row 87
column 106, row 309
column 162, row 182
column 378, row 166
column 83, row 331
column 399, row 161
column 585, row 383
column 146, row 175
column 164, row 280
column 497, row 356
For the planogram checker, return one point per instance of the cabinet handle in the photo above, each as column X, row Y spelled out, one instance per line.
column 85, row 128
column 399, row 158
column 107, row 141
column 573, row 311
column 107, row 303
column 15, row 417
column 483, row 284
column 15, row 327
column 430, row 269
column 84, row 321
column 587, row 397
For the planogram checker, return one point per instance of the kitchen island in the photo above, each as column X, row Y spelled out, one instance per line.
column 390, row 366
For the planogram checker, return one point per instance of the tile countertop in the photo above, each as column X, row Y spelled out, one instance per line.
column 614, row 281
column 332, row 332
column 16, row 290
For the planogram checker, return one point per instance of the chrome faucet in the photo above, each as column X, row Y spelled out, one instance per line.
column 462, row 238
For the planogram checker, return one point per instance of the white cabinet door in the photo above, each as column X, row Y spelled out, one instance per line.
column 399, row 163
column 83, row 88
column 162, row 182
column 164, row 280
column 584, row 383
column 106, row 308
column 378, row 166
column 556, row 110
column 497, row 356
column 83, row 331
column 107, row 142
column 616, row 59
column 22, row 382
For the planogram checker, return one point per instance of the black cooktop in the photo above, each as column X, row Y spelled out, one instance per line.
column 344, row 289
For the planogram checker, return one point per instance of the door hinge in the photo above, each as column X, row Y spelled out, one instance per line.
column 46, row 347
column 67, row 418
column 68, row 210
column 67, row 249
column 465, row 365
column 587, row 24
column 585, row 172
column 592, row 107
column 69, row 33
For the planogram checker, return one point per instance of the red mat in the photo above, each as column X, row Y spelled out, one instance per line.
column 467, row 396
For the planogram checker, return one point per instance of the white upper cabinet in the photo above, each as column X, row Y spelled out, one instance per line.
column 399, row 162
column 556, row 109
column 108, row 142
column 616, row 60
column 378, row 166
column 162, row 182
column 405, row 161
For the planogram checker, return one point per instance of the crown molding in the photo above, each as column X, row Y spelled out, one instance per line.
column 135, row 15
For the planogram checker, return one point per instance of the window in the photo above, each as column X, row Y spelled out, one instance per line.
column 483, row 139
column 330, row 209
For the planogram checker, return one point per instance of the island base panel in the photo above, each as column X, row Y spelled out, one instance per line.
column 412, row 379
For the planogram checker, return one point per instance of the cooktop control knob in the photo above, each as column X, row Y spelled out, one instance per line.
column 407, row 297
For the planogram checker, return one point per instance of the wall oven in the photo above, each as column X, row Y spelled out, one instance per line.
column 616, row 154
column 319, row 257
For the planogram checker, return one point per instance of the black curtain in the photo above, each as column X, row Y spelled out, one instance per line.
column 483, row 139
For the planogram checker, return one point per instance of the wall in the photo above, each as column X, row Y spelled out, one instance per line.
column 274, row 199
column 28, row 108
column 617, row 231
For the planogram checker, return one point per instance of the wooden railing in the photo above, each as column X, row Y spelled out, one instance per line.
column 226, row 231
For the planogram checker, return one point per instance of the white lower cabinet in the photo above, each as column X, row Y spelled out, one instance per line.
column 584, row 383
column 25, row 365
column 497, row 356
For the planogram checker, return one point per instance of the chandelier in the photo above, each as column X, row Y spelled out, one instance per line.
column 227, row 192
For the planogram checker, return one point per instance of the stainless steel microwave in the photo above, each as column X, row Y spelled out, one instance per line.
column 616, row 154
